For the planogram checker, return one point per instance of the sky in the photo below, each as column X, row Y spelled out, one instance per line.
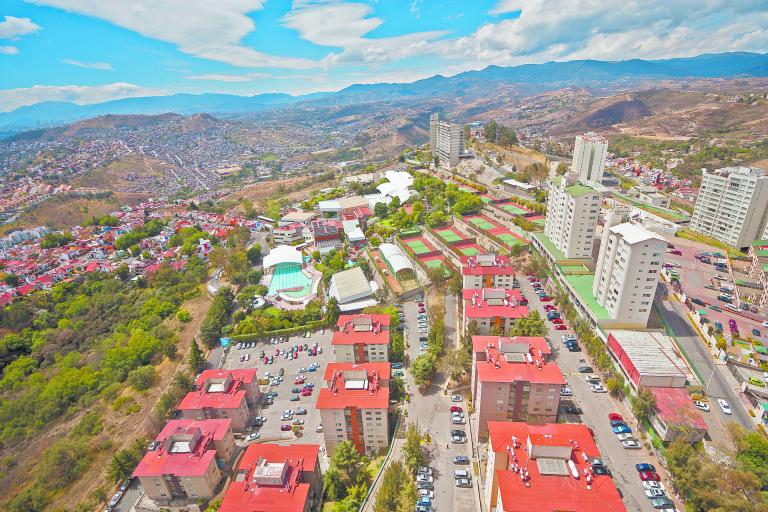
column 89, row 51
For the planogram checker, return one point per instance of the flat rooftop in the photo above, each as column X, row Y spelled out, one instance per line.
column 652, row 353
column 582, row 285
column 365, row 386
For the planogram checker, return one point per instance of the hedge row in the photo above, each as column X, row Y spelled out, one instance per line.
column 311, row 326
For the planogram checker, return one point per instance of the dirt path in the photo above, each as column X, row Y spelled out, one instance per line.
column 123, row 428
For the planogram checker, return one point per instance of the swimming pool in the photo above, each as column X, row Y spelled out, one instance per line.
column 289, row 280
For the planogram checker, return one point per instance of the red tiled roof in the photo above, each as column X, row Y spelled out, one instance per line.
column 347, row 335
column 497, row 369
column 248, row 496
column 550, row 492
column 193, row 463
column 336, row 396
column 25, row 289
column 195, row 400
column 376, row 317
column 537, row 343
column 469, row 267
column 675, row 407
column 481, row 308
column 246, row 375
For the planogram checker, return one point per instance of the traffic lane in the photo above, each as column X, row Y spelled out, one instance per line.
column 715, row 383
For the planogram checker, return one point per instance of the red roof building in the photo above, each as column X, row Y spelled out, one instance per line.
column 546, row 468
column 493, row 310
column 361, row 338
column 183, row 463
column 245, row 377
column 675, row 417
column 222, row 396
column 275, row 477
column 356, row 397
column 487, row 271
column 512, row 380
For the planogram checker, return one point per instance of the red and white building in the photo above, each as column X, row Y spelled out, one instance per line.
column 545, row 468
column 493, row 310
column 674, row 416
column 512, row 380
column 222, row 394
column 185, row 463
column 286, row 235
column 276, row 477
column 354, row 406
column 362, row 338
column 487, row 271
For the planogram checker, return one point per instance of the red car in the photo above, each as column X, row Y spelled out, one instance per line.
column 299, row 381
column 295, row 355
column 557, row 321
column 546, row 299
column 277, row 351
column 649, row 476
column 266, row 360
column 285, row 427
column 549, row 307
column 306, row 392
column 301, row 348
column 523, row 301
column 615, row 416
column 456, row 408
column 560, row 327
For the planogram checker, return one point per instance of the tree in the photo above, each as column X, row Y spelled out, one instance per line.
column 562, row 168
column 333, row 311
column 183, row 316
column 381, row 210
column 397, row 352
column 423, row 368
column 348, row 465
column 124, row 461
column 458, row 361
column 392, row 482
column 196, row 360
column 413, row 454
column 531, row 325
column 254, row 254
column 122, row 272
column 142, row 377
column 408, row 496
column 353, row 500
column 643, row 404
column 437, row 276
column 435, row 219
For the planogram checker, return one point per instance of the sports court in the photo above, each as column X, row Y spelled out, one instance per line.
column 448, row 234
column 289, row 280
column 513, row 209
column 417, row 245
column 481, row 222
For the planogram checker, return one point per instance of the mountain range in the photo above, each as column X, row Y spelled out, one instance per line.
column 530, row 77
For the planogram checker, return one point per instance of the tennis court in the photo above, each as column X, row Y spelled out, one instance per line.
column 486, row 199
column 509, row 239
column 481, row 223
column 289, row 280
column 436, row 263
column 515, row 210
column 448, row 235
column 417, row 246
column 468, row 251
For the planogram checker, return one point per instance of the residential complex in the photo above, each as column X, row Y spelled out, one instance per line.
column 184, row 462
column 545, row 468
column 446, row 140
column 731, row 205
column 487, row 271
column 512, row 380
column 493, row 310
column 627, row 272
column 361, row 338
column 222, row 394
column 276, row 477
column 354, row 404
column 589, row 154
column 758, row 272
column 572, row 210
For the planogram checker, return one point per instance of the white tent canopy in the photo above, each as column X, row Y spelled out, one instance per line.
column 283, row 254
column 395, row 257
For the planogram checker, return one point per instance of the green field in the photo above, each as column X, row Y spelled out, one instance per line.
column 486, row 199
column 417, row 246
column 468, row 251
column 448, row 235
column 481, row 223
column 509, row 239
column 509, row 208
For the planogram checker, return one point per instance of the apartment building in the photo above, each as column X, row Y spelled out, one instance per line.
column 589, row 154
column 731, row 205
column 758, row 271
column 222, row 394
column 545, row 468
column 276, row 477
column 354, row 405
column 446, row 140
column 627, row 271
column 288, row 234
column 361, row 338
column 512, row 380
column 572, row 211
column 493, row 310
column 184, row 462
column 487, row 271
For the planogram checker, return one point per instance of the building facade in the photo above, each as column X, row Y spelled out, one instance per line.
column 589, row 154
column 758, row 271
column 446, row 140
column 572, row 211
column 222, row 394
column 512, row 380
column 362, row 339
column 493, row 310
column 354, row 406
column 487, row 271
column 731, row 205
column 627, row 272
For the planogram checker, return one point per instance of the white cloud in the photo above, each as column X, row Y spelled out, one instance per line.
column 222, row 77
column 9, row 50
column 344, row 25
column 11, row 99
column 14, row 27
column 204, row 28
column 103, row 66
column 615, row 29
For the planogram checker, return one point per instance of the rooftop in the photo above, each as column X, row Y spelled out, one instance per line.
column 675, row 407
column 366, row 329
column 582, row 285
column 542, row 463
column 511, row 360
column 651, row 352
column 245, row 375
column 493, row 302
column 484, row 264
column 350, row 285
column 217, row 393
column 186, row 448
column 579, row 189
column 365, row 386
column 634, row 233
column 270, row 477
column 549, row 245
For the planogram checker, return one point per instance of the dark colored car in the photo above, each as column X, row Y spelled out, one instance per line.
column 585, row 369
column 601, row 470
column 572, row 409
column 461, row 459
column 645, row 467
column 285, row 427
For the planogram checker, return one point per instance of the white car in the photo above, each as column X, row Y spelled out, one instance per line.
column 566, row 391
column 597, row 388
column 765, row 324
column 701, row 405
column 654, row 493
column 456, row 398
column 724, row 406
column 652, row 485
column 427, row 493
column 624, row 437
column 631, row 444
column 421, row 477
column 458, row 420
column 425, row 470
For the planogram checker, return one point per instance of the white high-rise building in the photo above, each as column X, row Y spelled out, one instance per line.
column 732, row 205
column 446, row 140
column 627, row 270
column 589, row 154
column 572, row 210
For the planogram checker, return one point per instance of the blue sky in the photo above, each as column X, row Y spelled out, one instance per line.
column 88, row 51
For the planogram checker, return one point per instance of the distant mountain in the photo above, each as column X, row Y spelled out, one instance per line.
column 530, row 77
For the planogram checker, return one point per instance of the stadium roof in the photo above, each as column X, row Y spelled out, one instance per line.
column 395, row 257
column 350, row 285
column 283, row 254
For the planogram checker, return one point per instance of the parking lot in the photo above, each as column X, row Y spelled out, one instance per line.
column 271, row 429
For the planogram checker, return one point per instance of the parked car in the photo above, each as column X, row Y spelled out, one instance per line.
column 617, row 422
column 662, row 503
column 652, row 485
column 572, row 409
column 456, row 408
column 631, row 444
column 622, row 429
column 654, row 493
column 561, row 327
column 115, row 498
column 701, row 405
column 461, row 459
column 649, row 475
column 615, row 416
column 644, row 466
column 724, row 406
column 456, row 398
column 285, row 427
column 585, row 369
column 463, row 482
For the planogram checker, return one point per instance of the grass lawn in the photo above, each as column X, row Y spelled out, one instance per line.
column 689, row 234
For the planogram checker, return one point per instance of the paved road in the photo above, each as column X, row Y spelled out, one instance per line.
column 717, row 385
